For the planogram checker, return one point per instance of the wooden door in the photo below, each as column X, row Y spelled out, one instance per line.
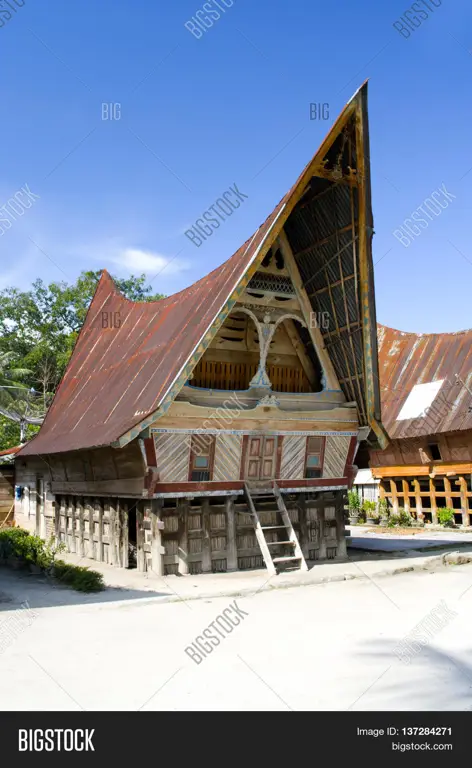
column 262, row 453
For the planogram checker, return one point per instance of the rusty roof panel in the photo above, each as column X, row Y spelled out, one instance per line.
column 117, row 376
column 409, row 359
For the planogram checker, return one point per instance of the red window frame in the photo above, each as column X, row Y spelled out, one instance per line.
column 309, row 472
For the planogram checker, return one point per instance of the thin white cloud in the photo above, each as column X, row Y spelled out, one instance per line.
column 138, row 260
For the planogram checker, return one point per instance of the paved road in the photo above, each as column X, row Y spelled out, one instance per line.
column 316, row 647
column 389, row 542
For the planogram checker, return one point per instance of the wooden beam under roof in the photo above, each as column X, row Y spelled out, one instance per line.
column 307, row 309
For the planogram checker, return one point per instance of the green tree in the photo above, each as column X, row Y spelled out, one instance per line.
column 10, row 388
column 38, row 330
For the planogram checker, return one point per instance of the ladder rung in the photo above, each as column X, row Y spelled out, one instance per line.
column 284, row 559
column 276, row 543
column 271, row 527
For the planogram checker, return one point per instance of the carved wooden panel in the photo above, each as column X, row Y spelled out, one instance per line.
column 172, row 456
column 227, row 457
column 293, row 457
column 336, row 450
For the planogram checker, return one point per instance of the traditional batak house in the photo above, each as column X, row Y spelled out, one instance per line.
column 216, row 429
column 426, row 386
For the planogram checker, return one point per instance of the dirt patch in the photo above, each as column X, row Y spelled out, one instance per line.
column 394, row 531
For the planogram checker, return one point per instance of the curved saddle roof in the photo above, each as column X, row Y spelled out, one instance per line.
column 130, row 359
column 426, row 382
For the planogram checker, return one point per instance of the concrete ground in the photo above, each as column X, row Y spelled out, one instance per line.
column 375, row 539
column 327, row 646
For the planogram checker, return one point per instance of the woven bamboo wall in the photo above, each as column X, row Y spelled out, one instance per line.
column 236, row 376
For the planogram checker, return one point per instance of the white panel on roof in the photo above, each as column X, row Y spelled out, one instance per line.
column 419, row 400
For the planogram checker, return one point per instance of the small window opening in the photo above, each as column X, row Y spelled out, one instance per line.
column 314, row 457
column 434, row 451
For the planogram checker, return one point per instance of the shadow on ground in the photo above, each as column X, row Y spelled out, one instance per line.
column 16, row 587
column 431, row 680
column 363, row 548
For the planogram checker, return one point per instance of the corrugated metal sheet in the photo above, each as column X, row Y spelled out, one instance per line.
column 406, row 359
column 118, row 377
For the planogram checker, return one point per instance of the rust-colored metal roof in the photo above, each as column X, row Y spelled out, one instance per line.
column 8, row 451
column 118, row 377
column 408, row 359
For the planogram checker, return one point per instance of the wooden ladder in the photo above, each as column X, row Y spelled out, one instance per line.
column 292, row 559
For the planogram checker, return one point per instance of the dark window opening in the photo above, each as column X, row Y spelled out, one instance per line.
column 267, row 259
column 279, row 260
column 435, row 452
column 200, row 476
column 132, row 538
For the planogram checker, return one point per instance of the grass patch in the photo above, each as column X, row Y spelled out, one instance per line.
column 78, row 577
column 18, row 546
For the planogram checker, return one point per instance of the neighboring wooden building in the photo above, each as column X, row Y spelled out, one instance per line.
column 7, row 485
column 216, row 429
column 426, row 386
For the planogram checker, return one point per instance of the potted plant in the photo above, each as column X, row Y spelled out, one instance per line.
column 354, row 506
column 371, row 514
column 446, row 517
column 383, row 512
column 393, row 520
column 406, row 520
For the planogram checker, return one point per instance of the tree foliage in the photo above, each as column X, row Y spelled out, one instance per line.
column 38, row 330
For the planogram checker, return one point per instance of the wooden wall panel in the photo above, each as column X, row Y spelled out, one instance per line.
column 227, row 457
column 172, row 456
column 292, row 466
column 336, row 450
column 7, row 500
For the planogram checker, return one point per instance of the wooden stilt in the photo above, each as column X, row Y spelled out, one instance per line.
column 231, row 541
column 321, row 527
column 73, row 540
column 80, row 513
column 447, row 490
column 60, row 515
column 182, row 510
column 140, row 555
column 393, row 490
column 341, row 528
column 111, row 531
column 89, row 548
column 464, row 504
column 206, row 539
column 302, row 519
column 419, row 505
column 157, row 549
column 118, row 533
column 434, row 508
column 124, row 534
column 406, row 497
column 99, row 508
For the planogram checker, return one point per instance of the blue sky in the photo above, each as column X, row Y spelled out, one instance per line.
column 197, row 115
